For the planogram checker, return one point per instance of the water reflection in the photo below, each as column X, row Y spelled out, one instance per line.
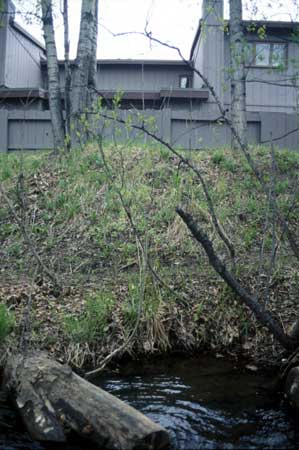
column 204, row 404
column 207, row 404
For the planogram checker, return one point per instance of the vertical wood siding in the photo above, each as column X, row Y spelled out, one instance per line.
column 138, row 77
column 22, row 61
column 260, row 93
column 32, row 129
column 2, row 53
column 3, row 130
column 200, row 134
column 3, row 21
column 29, row 134
column 210, row 59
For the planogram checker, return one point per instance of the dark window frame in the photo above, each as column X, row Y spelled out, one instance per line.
column 188, row 78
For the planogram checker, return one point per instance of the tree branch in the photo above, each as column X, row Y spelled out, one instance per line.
column 28, row 240
column 262, row 315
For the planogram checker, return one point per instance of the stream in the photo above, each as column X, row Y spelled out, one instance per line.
column 204, row 403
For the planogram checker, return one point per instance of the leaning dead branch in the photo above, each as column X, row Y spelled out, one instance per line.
column 262, row 315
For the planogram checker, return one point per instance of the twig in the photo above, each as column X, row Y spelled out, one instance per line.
column 263, row 316
column 28, row 239
column 195, row 169
column 142, row 280
column 180, row 297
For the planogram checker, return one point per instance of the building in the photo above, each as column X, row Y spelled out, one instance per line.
column 171, row 91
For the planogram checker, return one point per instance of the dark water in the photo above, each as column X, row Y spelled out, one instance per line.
column 204, row 403
column 208, row 404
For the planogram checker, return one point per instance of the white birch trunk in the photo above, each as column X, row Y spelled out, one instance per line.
column 81, row 70
column 68, row 76
column 92, row 82
column 238, row 74
column 53, row 75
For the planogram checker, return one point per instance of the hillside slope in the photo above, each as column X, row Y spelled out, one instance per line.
column 106, row 226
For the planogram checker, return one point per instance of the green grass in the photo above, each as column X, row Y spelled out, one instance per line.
column 75, row 216
column 75, row 196
column 93, row 323
column 7, row 323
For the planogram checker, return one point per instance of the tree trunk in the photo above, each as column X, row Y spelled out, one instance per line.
column 50, row 396
column 82, row 65
column 92, row 75
column 53, row 75
column 238, row 74
column 68, row 76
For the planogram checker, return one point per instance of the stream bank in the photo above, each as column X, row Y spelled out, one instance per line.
column 204, row 402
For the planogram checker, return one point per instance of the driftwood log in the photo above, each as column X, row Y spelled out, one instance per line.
column 51, row 398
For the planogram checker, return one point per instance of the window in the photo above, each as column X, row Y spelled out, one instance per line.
column 262, row 54
column 266, row 54
column 184, row 81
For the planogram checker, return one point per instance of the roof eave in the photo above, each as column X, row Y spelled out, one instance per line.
column 246, row 23
column 195, row 40
column 185, row 94
column 134, row 62
column 23, row 93
column 25, row 33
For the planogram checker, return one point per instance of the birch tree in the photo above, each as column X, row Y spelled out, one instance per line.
column 80, row 82
column 68, row 75
column 53, row 75
column 93, row 59
column 85, row 64
column 238, row 74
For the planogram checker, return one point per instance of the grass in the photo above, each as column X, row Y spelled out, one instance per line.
column 74, row 214
column 7, row 323
column 93, row 322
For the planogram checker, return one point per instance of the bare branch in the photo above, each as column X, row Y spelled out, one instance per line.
column 28, row 240
column 195, row 169
column 263, row 316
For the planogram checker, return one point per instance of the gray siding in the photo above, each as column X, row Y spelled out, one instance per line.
column 260, row 93
column 209, row 51
column 201, row 134
column 32, row 130
column 161, row 126
column 275, row 125
column 210, row 60
column 2, row 54
column 139, row 77
column 22, row 67
column 198, row 59
column 29, row 130
column 3, row 21
column 3, row 131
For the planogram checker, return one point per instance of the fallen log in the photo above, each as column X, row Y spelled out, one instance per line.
column 291, row 387
column 51, row 398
